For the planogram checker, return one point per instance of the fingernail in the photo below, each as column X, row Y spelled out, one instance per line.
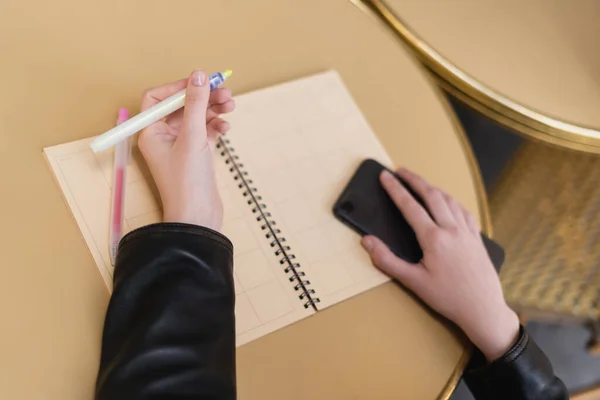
column 386, row 176
column 224, row 127
column 198, row 78
column 367, row 243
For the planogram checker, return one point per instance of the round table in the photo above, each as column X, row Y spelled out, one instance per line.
column 69, row 65
column 532, row 65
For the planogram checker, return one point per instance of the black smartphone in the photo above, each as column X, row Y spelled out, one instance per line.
column 366, row 208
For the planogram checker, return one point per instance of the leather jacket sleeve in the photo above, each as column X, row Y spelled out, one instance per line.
column 523, row 373
column 170, row 330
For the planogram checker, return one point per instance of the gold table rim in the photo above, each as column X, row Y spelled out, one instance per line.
column 519, row 117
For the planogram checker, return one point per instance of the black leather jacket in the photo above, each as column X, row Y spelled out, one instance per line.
column 170, row 330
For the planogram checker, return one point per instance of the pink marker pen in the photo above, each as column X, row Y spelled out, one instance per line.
column 122, row 156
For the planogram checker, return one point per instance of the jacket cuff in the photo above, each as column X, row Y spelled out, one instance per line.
column 525, row 362
column 142, row 246
column 479, row 364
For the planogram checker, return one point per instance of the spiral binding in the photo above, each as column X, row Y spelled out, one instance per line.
column 267, row 224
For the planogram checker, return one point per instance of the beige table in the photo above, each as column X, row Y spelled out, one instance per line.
column 532, row 65
column 66, row 68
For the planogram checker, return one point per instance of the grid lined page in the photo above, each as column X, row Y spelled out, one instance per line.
column 265, row 299
column 300, row 143
column 86, row 181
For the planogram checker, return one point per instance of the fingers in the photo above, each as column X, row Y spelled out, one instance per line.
column 196, row 104
column 412, row 211
column 220, row 96
column 175, row 120
column 456, row 210
column 220, row 102
column 217, row 109
column 470, row 220
column 464, row 218
column 158, row 94
column 433, row 198
column 472, row 223
column 383, row 258
column 459, row 216
column 216, row 127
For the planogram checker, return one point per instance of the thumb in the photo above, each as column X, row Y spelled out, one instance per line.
column 196, row 104
column 382, row 257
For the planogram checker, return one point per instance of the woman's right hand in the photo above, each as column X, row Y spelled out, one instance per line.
column 456, row 276
column 179, row 150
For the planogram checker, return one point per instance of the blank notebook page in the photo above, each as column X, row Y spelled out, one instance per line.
column 294, row 146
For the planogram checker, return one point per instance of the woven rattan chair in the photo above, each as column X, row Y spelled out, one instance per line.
column 546, row 213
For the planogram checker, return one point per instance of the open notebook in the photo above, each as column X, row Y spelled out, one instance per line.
column 290, row 152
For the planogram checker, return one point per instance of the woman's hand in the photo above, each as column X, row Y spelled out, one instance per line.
column 179, row 150
column 455, row 276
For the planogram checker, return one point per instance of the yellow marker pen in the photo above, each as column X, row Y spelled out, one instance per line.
column 150, row 116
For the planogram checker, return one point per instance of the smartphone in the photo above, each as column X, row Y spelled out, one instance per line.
column 366, row 207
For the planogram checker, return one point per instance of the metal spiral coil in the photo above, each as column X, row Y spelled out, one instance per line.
column 295, row 266
column 254, row 200
column 294, row 278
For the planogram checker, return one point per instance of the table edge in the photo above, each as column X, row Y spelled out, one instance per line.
column 521, row 118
